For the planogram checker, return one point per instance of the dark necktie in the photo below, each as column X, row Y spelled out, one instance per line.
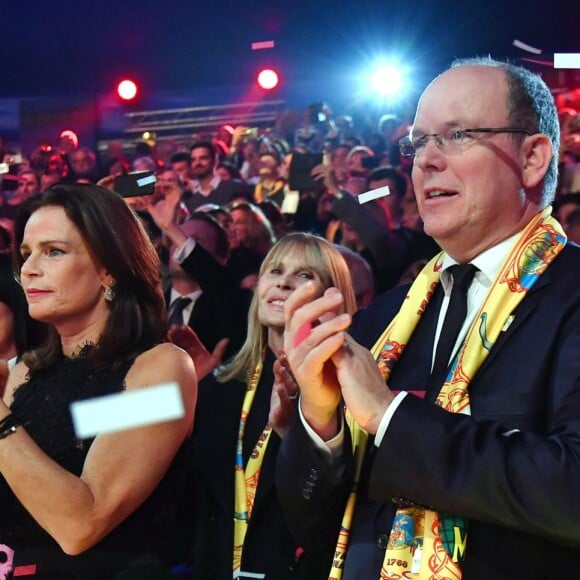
column 454, row 319
column 179, row 305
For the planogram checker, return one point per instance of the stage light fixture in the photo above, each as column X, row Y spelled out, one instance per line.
column 387, row 80
column 127, row 90
column 268, row 79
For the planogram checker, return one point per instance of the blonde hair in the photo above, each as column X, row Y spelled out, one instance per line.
column 318, row 255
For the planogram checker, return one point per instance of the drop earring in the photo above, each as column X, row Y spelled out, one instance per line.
column 109, row 293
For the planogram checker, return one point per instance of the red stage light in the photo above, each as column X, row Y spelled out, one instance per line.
column 268, row 79
column 127, row 90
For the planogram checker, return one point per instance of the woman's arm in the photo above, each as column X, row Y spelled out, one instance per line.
column 121, row 469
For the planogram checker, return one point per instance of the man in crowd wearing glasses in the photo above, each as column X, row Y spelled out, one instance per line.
column 459, row 452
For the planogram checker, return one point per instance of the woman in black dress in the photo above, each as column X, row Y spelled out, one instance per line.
column 89, row 508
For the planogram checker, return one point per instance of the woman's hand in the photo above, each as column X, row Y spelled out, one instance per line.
column 284, row 397
column 314, row 332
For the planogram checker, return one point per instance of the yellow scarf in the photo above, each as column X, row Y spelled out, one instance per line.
column 246, row 481
column 415, row 543
column 262, row 192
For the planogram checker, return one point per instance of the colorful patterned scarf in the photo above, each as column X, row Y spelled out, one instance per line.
column 246, row 481
column 416, row 543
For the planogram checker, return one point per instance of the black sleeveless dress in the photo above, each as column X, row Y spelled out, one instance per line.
column 147, row 543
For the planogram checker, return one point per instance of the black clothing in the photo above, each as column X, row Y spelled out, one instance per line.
column 269, row 547
column 151, row 532
column 388, row 251
column 222, row 309
column 244, row 262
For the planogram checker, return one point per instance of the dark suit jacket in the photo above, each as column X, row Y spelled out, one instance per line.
column 222, row 309
column 269, row 547
column 519, row 490
column 388, row 251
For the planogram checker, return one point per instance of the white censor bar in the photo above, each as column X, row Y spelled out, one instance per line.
column 127, row 410
column 526, row 47
column 143, row 181
column 567, row 60
column 373, row 194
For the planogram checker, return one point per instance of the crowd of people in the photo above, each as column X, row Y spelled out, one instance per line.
column 371, row 389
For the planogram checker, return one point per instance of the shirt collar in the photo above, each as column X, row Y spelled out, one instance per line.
column 174, row 295
column 215, row 181
column 488, row 263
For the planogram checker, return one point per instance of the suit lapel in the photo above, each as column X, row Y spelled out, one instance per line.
column 413, row 370
column 519, row 316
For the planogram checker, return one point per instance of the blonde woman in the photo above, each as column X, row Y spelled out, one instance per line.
column 242, row 415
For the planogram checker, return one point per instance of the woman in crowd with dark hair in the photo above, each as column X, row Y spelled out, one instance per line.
column 18, row 332
column 89, row 508
column 253, row 239
column 242, row 414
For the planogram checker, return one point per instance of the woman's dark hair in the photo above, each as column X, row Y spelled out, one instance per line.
column 273, row 212
column 118, row 242
column 27, row 332
column 5, row 240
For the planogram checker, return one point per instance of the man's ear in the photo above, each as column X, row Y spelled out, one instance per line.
column 538, row 152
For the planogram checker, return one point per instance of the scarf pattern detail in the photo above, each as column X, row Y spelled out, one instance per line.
column 246, row 480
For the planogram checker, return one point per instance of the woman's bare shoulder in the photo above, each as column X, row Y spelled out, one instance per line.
column 166, row 352
column 163, row 363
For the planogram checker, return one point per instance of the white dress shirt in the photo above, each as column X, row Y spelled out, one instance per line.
column 174, row 295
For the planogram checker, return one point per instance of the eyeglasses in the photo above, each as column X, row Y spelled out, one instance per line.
column 453, row 140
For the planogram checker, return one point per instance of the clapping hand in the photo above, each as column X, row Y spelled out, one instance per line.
column 329, row 365
column 284, row 396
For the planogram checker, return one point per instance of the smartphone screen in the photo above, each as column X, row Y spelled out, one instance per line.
column 135, row 184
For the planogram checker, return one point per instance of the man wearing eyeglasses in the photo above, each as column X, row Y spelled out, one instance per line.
column 458, row 455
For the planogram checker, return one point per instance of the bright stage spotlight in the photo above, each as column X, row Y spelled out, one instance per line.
column 268, row 79
column 387, row 80
column 127, row 90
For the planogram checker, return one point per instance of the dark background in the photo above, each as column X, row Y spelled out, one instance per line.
column 188, row 52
